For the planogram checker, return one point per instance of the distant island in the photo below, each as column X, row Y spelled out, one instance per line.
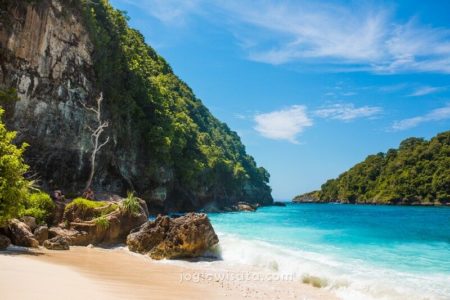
column 417, row 173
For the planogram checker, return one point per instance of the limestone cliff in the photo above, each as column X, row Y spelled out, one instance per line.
column 47, row 53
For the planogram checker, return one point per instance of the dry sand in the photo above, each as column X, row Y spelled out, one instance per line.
column 95, row 273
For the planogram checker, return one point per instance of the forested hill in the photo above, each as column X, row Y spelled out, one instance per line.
column 418, row 172
column 164, row 143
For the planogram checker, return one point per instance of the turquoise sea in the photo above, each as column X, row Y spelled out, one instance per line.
column 358, row 251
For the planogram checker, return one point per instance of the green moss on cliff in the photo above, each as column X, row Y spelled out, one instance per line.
column 178, row 130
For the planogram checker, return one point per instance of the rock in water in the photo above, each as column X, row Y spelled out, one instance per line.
column 243, row 206
column 57, row 243
column 41, row 234
column 184, row 237
column 21, row 234
column 4, row 242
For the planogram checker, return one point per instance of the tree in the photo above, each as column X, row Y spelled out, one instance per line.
column 417, row 172
column 13, row 185
column 95, row 135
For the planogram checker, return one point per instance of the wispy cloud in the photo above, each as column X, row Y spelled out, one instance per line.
column 426, row 90
column 173, row 12
column 442, row 113
column 360, row 37
column 283, row 124
column 354, row 36
column 347, row 112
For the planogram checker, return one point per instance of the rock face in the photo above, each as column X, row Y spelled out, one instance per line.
column 41, row 234
column 4, row 242
column 21, row 234
column 57, row 243
column 183, row 237
column 114, row 229
column 46, row 53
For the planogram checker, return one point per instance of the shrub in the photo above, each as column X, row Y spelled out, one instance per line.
column 13, row 185
column 40, row 206
column 131, row 204
column 102, row 222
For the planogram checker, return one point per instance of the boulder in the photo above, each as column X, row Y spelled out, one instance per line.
column 187, row 236
column 21, row 234
column 30, row 221
column 149, row 235
column 57, row 243
column 243, row 206
column 41, row 234
column 74, row 237
column 4, row 242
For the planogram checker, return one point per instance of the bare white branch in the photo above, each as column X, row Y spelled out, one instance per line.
column 95, row 135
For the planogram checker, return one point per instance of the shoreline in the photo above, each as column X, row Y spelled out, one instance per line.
column 115, row 273
column 373, row 204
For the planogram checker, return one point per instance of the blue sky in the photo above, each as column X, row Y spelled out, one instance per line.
column 312, row 87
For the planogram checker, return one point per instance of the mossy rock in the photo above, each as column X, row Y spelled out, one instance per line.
column 85, row 210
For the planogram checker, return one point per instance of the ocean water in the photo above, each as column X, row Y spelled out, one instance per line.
column 357, row 251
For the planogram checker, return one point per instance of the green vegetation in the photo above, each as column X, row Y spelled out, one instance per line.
column 179, row 131
column 102, row 222
column 40, row 206
column 131, row 204
column 85, row 204
column 416, row 173
column 18, row 196
column 85, row 209
column 14, row 188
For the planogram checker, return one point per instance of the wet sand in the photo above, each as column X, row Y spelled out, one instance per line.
column 96, row 273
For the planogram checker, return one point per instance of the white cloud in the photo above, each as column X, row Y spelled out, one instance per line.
column 426, row 90
column 283, row 124
column 347, row 112
column 438, row 114
column 347, row 37
column 356, row 37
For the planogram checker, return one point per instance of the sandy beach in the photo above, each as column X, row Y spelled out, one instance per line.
column 96, row 273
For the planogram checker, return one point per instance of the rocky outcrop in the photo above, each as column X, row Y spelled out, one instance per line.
column 4, row 242
column 242, row 206
column 57, row 243
column 183, row 237
column 41, row 234
column 311, row 197
column 112, row 228
column 21, row 235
